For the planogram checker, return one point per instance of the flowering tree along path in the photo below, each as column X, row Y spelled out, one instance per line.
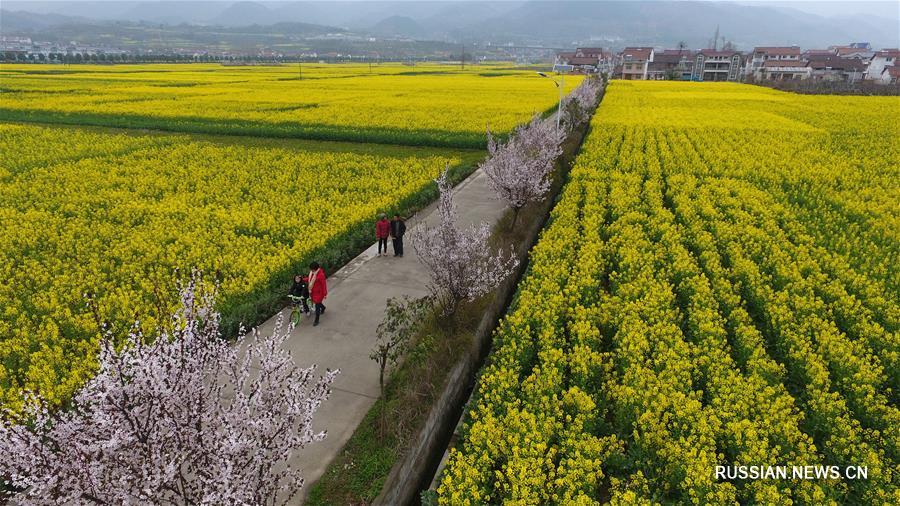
column 357, row 295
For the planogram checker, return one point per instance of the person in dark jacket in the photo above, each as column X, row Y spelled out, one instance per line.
column 300, row 289
column 318, row 289
column 382, row 231
column 398, row 228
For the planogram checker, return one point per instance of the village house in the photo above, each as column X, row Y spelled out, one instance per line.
column 605, row 59
column 783, row 70
column 583, row 64
column 858, row 50
column 890, row 75
column 833, row 68
column 584, row 59
column 882, row 59
column 564, row 57
column 671, row 64
column 635, row 62
column 763, row 54
column 715, row 65
column 589, row 52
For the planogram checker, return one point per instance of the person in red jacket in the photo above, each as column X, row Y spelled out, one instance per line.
column 318, row 288
column 382, row 232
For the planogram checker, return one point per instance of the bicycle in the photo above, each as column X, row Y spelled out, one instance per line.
column 297, row 311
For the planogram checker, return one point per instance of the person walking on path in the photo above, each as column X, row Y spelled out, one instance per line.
column 318, row 288
column 398, row 228
column 382, row 231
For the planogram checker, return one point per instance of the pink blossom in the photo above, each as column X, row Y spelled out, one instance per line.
column 519, row 170
column 461, row 262
column 184, row 418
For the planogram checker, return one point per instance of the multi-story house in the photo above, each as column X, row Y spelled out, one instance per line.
column 761, row 55
column 562, row 62
column 859, row 50
column 671, row 64
column 605, row 59
column 589, row 52
column 882, row 59
column 635, row 61
column 578, row 61
column 713, row 65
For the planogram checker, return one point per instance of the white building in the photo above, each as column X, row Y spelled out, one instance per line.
column 713, row 65
column 882, row 59
column 890, row 75
column 763, row 54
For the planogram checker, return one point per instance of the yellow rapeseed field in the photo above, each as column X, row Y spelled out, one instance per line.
column 719, row 285
column 437, row 105
column 114, row 214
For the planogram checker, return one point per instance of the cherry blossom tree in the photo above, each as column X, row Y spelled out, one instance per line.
column 462, row 264
column 579, row 104
column 519, row 170
column 186, row 418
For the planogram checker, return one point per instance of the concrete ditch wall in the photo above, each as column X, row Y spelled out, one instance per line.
column 415, row 470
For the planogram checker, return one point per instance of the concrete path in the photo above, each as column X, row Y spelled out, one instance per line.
column 357, row 295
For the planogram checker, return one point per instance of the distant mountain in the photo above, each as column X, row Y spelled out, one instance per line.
column 667, row 22
column 172, row 13
column 245, row 13
column 557, row 24
column 292, row 28
column 399, row 26
column 452, row 17
column 21, row 21
column 307, row 12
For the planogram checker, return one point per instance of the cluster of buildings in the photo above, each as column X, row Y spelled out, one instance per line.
column 24, row 49
column 851, row 63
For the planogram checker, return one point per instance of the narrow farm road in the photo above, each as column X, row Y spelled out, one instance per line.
column 357, row 294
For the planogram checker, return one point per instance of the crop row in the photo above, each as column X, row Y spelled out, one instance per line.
column 681, row 312
column 115, row 215
column 430, row 106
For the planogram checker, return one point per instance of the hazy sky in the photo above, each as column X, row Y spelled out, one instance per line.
column 890, row 8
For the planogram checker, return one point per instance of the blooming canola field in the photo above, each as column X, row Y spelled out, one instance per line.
column 115, row 214
column 718, row 286
column 434, row 105
column 121, row 214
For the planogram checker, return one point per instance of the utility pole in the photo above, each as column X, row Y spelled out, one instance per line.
column 559, row 86
column 462, row 57
column 300, row 66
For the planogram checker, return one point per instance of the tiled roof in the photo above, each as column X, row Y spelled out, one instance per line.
column 775, row 50
column 783, row 63
column 668, row 53
column 888, row 53
column 637, row 53
column 670, row 58
column 837, row 63
column 842, row 51
column 582, row 60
